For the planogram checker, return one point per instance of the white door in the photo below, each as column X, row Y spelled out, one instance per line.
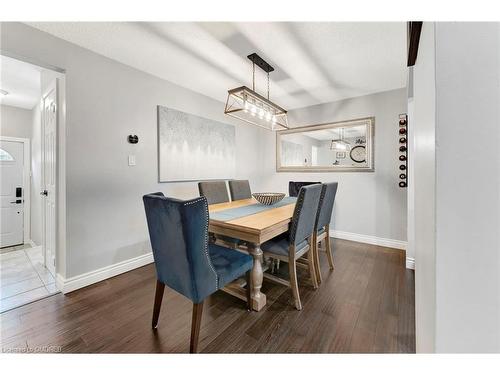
column 11, row 193
column 49, row 178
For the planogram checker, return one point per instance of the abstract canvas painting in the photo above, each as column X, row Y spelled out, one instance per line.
column 193, row 148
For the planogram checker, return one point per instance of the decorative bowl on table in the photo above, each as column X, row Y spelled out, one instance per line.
column 268, row 198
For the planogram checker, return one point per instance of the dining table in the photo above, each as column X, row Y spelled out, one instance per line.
column 252, row 223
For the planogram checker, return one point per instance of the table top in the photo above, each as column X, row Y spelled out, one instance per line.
column 249, row 220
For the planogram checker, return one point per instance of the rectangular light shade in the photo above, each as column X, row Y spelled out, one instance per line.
column 245, row 104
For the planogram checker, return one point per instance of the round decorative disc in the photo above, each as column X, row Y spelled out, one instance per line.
column 358, row 154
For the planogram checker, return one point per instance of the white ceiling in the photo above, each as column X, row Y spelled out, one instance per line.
column 22, row 82
column 314, row 62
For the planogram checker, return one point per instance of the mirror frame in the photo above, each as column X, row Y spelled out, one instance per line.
column 370, row 144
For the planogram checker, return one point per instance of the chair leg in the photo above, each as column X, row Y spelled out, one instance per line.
column 312, row 266
column 315, row 250
column 249, row 290
column 292, row 270
column 195, row 326
column 328, row 248
column 160, row 287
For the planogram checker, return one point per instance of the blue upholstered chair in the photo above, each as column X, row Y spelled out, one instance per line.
column 239, row 189
column 297, row 242
column 184, row 259
column 322, row 226
column 214, row 191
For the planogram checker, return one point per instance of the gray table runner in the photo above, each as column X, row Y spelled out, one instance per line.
column 236, row 213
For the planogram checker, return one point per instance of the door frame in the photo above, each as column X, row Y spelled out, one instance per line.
column 61, row 237
column 26, row 184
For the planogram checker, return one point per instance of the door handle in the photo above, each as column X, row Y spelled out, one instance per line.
column 17, row 201
column 44, row 192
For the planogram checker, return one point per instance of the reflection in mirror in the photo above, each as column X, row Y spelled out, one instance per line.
column 342, row 146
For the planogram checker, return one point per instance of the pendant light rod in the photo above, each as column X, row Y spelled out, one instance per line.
column 264, row 65
column 253, row 75
column 267, row 85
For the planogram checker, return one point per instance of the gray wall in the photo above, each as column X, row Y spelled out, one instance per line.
column 367, row 203
column 15, row 122
column 457, row 185
column 467, row 187
column 106, row 101
column 421, row 190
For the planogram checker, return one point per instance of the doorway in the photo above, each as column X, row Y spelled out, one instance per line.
column 29, row 173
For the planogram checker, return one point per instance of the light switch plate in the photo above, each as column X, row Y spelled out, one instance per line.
column 131, row 160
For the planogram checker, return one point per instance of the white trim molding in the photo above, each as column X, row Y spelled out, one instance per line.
column 410, row 263
column 92, row 277
column 372, row 240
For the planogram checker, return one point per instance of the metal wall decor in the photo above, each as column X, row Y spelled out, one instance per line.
column 247, row 105
column 403, row 150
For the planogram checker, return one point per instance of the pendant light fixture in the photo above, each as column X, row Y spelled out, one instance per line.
column 339, row 144
column 247, row 105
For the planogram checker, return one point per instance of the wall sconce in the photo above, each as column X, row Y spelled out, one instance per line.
column 133, row 139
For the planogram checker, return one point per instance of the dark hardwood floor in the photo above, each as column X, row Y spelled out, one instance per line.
column 365, row 305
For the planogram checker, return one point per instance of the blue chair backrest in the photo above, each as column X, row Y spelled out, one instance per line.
column 326, row 204
column 179, row 238
column 304, row 215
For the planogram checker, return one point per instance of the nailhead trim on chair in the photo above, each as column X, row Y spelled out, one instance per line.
column 320, row 206
column 206, row 237
column 298, row 208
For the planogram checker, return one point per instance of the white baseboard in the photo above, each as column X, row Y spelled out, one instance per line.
column 80, row 281
column 372, row 240
column 83, row 280
column 410, row 263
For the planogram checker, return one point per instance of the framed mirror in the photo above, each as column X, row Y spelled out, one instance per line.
column 345, row 146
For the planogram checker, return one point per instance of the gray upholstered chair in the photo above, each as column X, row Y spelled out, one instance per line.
column 185, row 260
column 322, row 226
column 297, row 242
column 294, row 186
column 239, row 189
column 214, row 191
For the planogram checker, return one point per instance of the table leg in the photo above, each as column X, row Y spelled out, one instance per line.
column 258, row 298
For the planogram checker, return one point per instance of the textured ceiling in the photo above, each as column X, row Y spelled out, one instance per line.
column 314, row 62
column 22, row 81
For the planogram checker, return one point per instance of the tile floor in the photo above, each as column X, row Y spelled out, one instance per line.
column 24, row 277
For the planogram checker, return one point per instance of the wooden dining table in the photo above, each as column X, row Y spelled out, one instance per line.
column 253, row 224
